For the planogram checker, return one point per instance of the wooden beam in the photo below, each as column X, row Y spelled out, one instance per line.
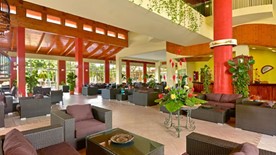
column 103, row 54
column 114, row 52
column 54, row 40
column 68, row 45
column 71, row 50
column 40, row 42
column 95, row 51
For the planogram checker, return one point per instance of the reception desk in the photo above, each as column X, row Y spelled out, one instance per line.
column 265, row 91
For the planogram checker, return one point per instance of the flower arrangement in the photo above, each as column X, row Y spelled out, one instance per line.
column 178, row 96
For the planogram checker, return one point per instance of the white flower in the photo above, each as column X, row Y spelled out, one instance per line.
column 186, row 87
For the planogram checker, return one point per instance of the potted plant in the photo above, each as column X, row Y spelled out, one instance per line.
column 240, row 76
column 205, row 74
column 31, row 81
column 71, row 80
column 129, row 83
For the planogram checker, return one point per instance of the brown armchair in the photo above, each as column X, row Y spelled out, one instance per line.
column 80, row 121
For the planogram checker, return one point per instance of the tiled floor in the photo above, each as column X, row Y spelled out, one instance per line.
column 148, row 122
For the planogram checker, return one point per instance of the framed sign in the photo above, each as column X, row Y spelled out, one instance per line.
column 266, row 69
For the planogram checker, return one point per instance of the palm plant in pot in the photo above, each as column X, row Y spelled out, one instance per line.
column 31, row 81
column 71, row 80
column 205, row 74
column 240, row 76
column 129, row 83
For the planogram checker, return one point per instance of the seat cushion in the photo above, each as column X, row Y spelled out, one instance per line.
column 80, row 112
column 16, row 144
column 225, row 105
column 230, row 98
column 213, row 97
column 58, row 149
column 87, row 127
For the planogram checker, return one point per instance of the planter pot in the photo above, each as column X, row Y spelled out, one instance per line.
column 30, row 94
column 71, row 92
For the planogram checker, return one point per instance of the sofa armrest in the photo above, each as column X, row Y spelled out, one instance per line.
column 201, row 96
column 60, row 117
column 241, row 100
column 103, row 115
column 45, row 136
column 8, row 101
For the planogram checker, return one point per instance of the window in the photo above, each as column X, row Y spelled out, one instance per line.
column 87, row 28
column 99, row 30
column 70, row 23
column 151, row 72
column 33, row 14
column 112, row 73
column 53, row 19
column 111, row 33
column 96, row 72
column 12, row 9
column 136, row 72
column 121, row 36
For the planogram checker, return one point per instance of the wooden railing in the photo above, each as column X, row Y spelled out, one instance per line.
column 248, row 3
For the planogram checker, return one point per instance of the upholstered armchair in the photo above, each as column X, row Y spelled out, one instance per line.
column 80, row 121
column 89, row 91
column 145, row 98
column 110, row 93
column 56, row 96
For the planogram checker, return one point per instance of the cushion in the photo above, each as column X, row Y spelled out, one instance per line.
column 230, row 98
column 87, row 127
column 80, row 112
column 58, row 149
column 245, row 149
column 16, row 144
column 213, row 97
column 38, row 96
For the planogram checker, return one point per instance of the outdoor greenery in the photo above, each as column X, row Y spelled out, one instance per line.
column 240, row 76
column 31, row 80
column 206, row 77
column 71, row 80
column 177, row 10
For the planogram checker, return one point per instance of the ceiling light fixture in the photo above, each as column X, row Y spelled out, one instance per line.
column 273, row 51
column 269, row 48
column 253, row 48
column 207, row 5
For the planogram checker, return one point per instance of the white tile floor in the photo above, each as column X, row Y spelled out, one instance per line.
column 148, row 122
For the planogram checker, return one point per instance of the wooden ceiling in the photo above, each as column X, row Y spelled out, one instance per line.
column 43, row 36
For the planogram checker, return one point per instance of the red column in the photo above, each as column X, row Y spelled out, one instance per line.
column 21, row 82
column 86, row 73
column 145, row 71
column 222, row 30
column 127, row 69
column 106, row 69
column 79, row 60
column 61, row 71
column 13, row 71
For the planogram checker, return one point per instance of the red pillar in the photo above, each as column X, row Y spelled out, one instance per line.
column 86, row 73
column 127, row 69
column 21, row 82
column 106, row 69
column 145, row 71
column 61, row 71
column 13, row 70
column 79, row 60
column 222, row 30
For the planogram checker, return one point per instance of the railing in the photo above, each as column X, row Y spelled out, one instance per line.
column 248, row 3
column 4, row 66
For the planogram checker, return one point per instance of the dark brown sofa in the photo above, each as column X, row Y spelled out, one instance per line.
column 80, row 121
column 199, row 144
column 43, row 141
column 252, row 116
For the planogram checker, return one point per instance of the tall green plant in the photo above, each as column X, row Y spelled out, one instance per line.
column 71, row 80
column 31, row 80
column 205, row 73
column 240, row 76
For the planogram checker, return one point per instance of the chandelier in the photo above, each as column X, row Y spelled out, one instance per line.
column 4, row 17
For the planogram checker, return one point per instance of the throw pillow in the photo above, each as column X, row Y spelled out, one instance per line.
column 80, row 112
column 230, row 98
column 213, row 97
column 16, row 144
column 245, row 149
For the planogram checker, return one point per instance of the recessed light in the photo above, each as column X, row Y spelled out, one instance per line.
column 253, row 48
column 207, row 6
column 273, row 51
column 269, row 48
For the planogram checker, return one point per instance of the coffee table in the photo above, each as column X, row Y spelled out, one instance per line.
column 212, row 114
column 100, row 144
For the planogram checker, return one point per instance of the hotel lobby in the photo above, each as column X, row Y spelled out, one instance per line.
column 104, row 44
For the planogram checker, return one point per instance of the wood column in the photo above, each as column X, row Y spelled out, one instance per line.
column 61, row 71
column 222, row 30
column 127, row 69
column 21, row 81
column 106, row 69
column 86, row 73
column 145, row 71
column 13, row 71
column 79, row 60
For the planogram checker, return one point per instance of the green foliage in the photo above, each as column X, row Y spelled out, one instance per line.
column 177, row 10
column 129, row 81
column 205, row 73
column 240, row 76
column 71, row 80
column 31, row 80
column 178, row 97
